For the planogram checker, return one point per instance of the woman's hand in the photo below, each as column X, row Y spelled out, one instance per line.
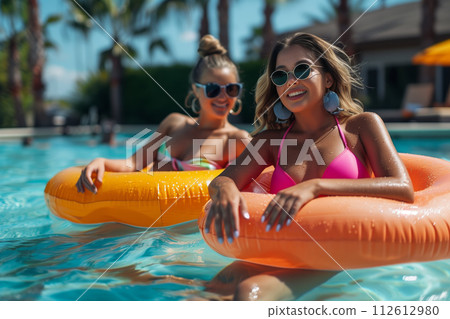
column 85, row 180
column 288, row 202
column 226, row 203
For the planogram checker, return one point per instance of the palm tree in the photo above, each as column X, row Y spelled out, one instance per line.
column 343, row 20
column 254, row 44
column 125, row 19
column 180, row 6
column 267, row 28
column 36, row 60
column 158, row 16
column 224, row 32
column 13, row 12
column 262, row 39
column 78, row 22
column 428, row 35
column 204, row 22
column 341, row 11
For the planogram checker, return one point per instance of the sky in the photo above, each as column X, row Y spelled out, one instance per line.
column 75, row 58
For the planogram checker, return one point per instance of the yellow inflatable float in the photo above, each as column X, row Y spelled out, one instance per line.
column 344, row 232
column 140, row 199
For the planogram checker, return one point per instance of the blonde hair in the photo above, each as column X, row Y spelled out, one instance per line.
column 212, row 56
column 209, row 45
column 332, row 59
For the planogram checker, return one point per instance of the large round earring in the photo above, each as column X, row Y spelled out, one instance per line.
column 195, row 105
column 192, row 102
column 331, row 103
column 239, row 108
column 281, row 112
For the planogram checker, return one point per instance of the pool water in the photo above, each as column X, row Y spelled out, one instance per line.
column 43, row 257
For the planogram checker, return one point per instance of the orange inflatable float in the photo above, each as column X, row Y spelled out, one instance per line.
column 138, row 199
column 343, row 232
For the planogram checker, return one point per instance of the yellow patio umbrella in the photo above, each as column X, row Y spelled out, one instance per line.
column 437, row 54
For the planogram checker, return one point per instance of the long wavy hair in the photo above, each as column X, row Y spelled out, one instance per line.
column 332, row 60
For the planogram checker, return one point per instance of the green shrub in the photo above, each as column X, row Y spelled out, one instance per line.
column 146, row 102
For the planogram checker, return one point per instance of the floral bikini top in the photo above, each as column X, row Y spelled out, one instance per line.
column 195, row 164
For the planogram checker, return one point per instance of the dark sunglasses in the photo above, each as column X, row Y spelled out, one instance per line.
column 301, row 72
column 213, row 89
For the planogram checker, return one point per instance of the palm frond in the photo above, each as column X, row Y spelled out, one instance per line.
column 158, row 43
column 141, row 30
column 52, row 19
column 50, row 45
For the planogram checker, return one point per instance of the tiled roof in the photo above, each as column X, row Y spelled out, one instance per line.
column 397, row 24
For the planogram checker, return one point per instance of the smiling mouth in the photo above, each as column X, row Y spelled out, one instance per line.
column 297, row 93
column 220, row 106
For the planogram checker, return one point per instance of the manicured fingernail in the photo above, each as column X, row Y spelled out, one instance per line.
column 236, row 233
column 246, row 215
column 220, row 239
column 278, row 227
column 230, row 239
column 263, row 218
column 206, row 230
column 288, row 222
column 268, row 227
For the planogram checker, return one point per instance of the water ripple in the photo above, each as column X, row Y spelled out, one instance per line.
column 47, row 258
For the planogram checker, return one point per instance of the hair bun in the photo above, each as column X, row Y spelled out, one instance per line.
column 210, row 45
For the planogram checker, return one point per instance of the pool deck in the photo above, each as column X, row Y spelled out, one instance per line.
column 17, row 133
column 419, row 130
column 397, row 130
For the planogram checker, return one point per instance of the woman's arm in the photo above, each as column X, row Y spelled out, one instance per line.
column 391, row 176
column 100, row 165
column 143, row 157
column 391, row 179
column 242, row 139
column 224, row 190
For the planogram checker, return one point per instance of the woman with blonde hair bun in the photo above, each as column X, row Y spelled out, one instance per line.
column 181, row 142
column 320, row 142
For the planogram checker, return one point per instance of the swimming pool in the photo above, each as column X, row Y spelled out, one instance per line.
column 46, row 258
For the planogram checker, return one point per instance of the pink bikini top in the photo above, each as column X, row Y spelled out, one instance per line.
column 345, row 165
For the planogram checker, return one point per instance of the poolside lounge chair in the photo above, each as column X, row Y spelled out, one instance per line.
column 416, row 96
column 439, row 112
column 446, row 103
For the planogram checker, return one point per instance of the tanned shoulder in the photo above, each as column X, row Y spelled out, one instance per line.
column 241, row 135
column 173, row 122
column 369, row 126
column 364, row 117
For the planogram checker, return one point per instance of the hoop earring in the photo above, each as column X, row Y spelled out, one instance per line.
column 190, row 102
column 331, row 103
column 239, row 108
column 194, row 105
column 281, row 112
